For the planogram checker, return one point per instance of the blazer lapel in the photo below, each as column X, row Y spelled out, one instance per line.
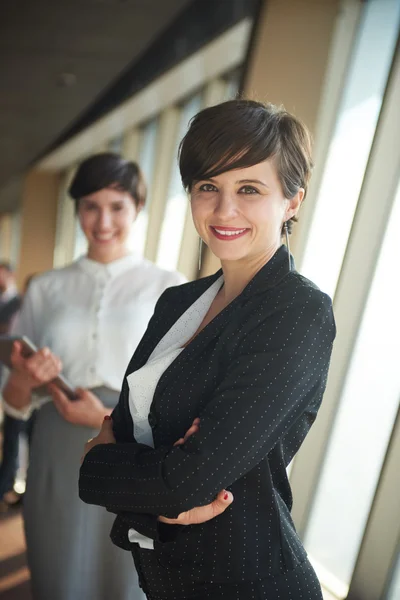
column 196, row 346
column 269, row 276
column 162, row 322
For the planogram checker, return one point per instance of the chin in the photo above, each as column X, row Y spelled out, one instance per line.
column 229, row 256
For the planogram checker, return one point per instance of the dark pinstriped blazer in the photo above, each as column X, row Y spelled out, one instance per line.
column 255, row 376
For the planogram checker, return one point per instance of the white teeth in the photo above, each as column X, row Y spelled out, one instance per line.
column 229, row 233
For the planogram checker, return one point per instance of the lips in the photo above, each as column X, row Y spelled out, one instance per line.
column 103, row 238
column 228, row 234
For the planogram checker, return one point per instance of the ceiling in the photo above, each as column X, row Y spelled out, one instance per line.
column 57, row 58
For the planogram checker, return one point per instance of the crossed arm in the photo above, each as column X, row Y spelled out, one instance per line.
column 267, row 389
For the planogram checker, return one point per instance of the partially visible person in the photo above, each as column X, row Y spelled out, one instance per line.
column 10, row 302
column 91, row 314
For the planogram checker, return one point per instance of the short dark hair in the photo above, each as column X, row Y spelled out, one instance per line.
column 242, row 133
column 108, row 170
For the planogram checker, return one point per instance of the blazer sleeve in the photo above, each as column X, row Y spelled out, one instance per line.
column 278, row 372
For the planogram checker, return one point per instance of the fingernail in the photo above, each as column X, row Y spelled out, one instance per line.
column 107, row 418
column 226, row 496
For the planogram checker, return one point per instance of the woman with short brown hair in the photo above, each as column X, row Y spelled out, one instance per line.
column 229, row 375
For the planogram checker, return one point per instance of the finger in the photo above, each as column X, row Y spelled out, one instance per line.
column 47, row 371
column 192, row 430
column 60, row 400
column 167, row 520
column 107, row 424
column 196, row 421
column 17, row 358
column 179, row 442
column 16, row 349
column 222, row 501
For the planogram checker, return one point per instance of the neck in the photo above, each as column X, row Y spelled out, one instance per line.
column 238, row 273
column 107, row 257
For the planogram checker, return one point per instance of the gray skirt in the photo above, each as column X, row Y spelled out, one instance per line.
column 70, row 554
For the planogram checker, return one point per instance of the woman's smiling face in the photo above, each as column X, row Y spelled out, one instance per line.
column 106, row 218
column 239, row 214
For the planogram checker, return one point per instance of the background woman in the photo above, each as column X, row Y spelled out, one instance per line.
column 246, row 352
column 91, row 314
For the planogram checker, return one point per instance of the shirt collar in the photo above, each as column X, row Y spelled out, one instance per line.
column 110, row 270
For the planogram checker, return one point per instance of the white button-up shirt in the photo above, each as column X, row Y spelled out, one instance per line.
column 92, row 316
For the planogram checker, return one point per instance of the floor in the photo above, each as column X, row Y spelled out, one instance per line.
column 14, row 574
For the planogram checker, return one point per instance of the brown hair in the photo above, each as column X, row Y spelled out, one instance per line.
column 242, row 133
column 108, row 170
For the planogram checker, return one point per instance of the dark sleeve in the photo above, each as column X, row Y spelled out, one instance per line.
column 8, row 310
column 279, row 370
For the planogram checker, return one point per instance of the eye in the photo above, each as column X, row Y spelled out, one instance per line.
column 117, row 207
column 207, row 187
column 90, row 206
column 248, row 189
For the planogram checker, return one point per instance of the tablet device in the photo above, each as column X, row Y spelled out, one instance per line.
column 29, row 348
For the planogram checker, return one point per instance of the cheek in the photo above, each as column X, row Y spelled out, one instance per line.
column 125, row 219
column 86, row 221
column 199, row 212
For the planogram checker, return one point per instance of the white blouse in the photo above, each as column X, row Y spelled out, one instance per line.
column 143, row 382
column 92, row 316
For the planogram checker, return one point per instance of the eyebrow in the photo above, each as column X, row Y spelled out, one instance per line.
column 253, row 181
column 239, row 181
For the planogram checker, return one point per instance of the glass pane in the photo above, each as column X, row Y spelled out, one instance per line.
column 146, row 160
column 351, row 143
column 394, row 589
column 177, row 202
column 364, row 422
column 115, row 145
column 232, row 84
column 80, row 248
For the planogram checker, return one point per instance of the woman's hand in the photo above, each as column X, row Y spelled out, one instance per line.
column 36, row 370
column 105, row 436
column 200, row 514
column 86, row 410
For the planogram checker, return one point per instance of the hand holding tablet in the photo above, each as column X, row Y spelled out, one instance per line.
column 28, row 349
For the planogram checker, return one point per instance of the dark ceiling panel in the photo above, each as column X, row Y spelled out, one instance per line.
column 45, row 45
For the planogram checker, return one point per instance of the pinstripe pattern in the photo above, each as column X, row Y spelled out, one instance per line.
column 255, row 376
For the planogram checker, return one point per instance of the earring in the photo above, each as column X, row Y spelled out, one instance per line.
column 286, row 230
column 200, row 253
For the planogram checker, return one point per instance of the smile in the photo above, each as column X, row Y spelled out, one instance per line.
column 228, row 234
column 103, row 237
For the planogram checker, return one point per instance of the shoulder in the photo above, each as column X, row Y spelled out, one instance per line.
column 52, row 280
column 305, row 291
column 295, row 303
column 185, row 293
column 192, row 289
column 163, row 277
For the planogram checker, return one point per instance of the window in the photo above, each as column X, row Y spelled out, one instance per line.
column 394, row 589
column 177, row 202
column 351, row 143
column 146, row 160
column 364, row 422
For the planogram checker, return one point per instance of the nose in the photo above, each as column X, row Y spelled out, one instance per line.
column 104, row 219
column 226, row 205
